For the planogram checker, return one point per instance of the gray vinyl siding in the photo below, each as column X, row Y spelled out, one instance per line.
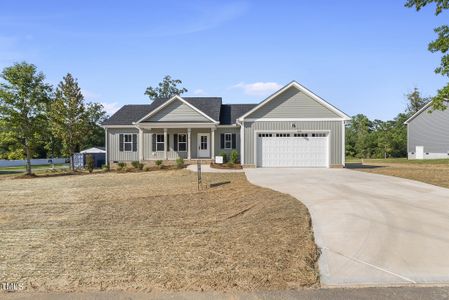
column 335, row 128
column 177, row 112
column 430, row 130
column 293, row 103
column 114, row 153
column 218, row 133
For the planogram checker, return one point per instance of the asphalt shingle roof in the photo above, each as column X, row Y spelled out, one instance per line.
column 211, row 106
column 231, row 112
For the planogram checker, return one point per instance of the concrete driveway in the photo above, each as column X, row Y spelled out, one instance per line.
column 372, row 229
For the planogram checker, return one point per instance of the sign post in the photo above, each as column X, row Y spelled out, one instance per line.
column 198, row 172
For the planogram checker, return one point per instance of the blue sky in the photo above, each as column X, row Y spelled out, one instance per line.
column 362, row 56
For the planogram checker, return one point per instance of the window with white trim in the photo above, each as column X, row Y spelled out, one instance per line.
column 282, row 134
column 159, row 142
column 127, row 142
column 301, row 135
column 182, row 142
column 228, row 140
column 319, row 134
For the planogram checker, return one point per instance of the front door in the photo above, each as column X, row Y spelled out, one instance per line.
column 203, row 145
column 419, row 152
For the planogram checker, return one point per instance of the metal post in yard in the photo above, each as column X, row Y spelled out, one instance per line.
column 198, row 169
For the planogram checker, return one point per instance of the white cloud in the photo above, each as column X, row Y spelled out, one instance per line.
column 199, row 92
column 110, row 108
column 258, row 88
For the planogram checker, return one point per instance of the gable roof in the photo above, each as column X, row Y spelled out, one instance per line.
column 128, row 114
column 207, row 105
column 305, row 91
column 418, row 112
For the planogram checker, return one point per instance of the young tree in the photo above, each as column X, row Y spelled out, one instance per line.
column 96, row 115
column 415, row 101
column 165, row 89
column 24, row 97
column 441, row 44
column 69, row 117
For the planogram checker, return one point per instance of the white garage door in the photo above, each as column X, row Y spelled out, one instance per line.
column 292, row 149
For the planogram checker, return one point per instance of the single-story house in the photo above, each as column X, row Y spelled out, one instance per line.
column 291, row 128
column 428, row 134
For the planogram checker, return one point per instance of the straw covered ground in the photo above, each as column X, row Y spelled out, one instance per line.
column 153, row 231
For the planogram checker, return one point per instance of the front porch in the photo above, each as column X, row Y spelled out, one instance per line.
column 164, row 142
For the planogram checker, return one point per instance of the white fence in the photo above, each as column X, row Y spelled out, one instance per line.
column 34, row 162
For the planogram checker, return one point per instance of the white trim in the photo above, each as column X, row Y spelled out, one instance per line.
column 132, row 142
column 224, row 139
column 177, row 142
column 343, row 141
column 242, row 142
column 140, row 146
column 227, row 126
column 418, row 112
column 172, row 100
column 198, row 144
column 305, row 91
column 106, row 141
column 293, row 119
column 175, row 125
column 119, row 126
column 329, row 152
column 156, row 142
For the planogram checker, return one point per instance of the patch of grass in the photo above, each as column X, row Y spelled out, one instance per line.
column 153, row 231
column 400, row 161
column 435, row 172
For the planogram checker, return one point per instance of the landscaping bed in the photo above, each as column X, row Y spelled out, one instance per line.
column 226, row 166
column 150, row 231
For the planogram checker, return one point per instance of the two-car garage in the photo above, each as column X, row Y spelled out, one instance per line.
column 292, row 149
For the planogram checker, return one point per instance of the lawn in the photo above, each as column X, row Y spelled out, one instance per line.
column 153, row 231
column 435, row 172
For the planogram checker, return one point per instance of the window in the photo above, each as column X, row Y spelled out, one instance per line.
column 228, row 141
column 182, row 142
column 127, row 142
column 301, row 135
column 320, row 134
column 265, row 135
column 159, row 142
column 282, row 134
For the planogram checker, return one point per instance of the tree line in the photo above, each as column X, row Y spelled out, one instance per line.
column 367, row 138
column 39, row 121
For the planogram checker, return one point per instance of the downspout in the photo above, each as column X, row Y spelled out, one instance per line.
column 242, row 141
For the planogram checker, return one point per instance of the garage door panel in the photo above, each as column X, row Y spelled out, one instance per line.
column 273, row 151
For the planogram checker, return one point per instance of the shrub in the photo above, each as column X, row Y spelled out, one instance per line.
column 105, row 167
column 135, row 164
column 121, row 165
column 140, row 166
column 146, row 169
column 179, row 162
column 234, row 156
column 90, row 163
column 225, row 156
column 159, row 163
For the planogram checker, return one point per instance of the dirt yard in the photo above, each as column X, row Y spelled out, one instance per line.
column 435, row 172
column 153, row 231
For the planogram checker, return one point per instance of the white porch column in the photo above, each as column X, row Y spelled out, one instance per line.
column 189, row 133
column 140, row 145
column 165, row 143
column 150, row 143
column 212, row 150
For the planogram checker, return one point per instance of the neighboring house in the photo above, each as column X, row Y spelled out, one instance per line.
column 428, row 134
column 291, row 128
